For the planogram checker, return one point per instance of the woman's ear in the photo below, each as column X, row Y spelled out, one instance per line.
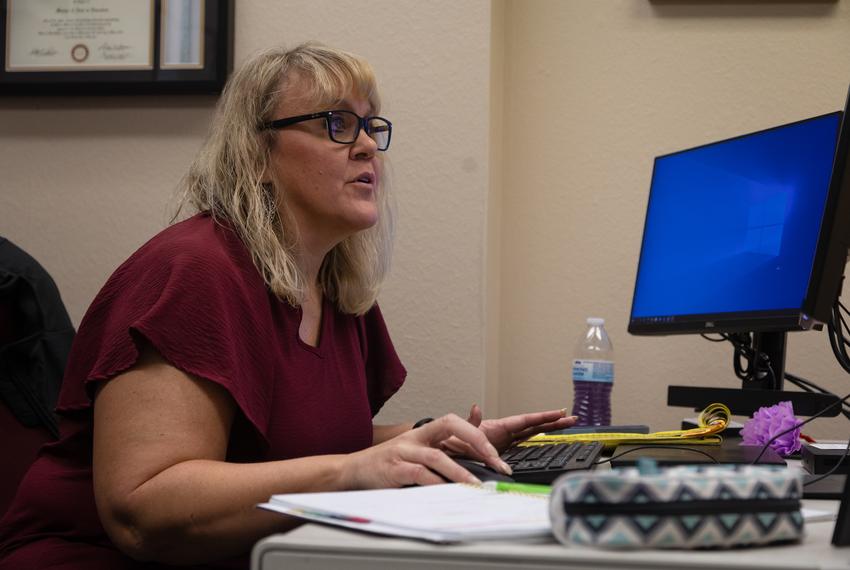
column 266, row 175
column 272, row 196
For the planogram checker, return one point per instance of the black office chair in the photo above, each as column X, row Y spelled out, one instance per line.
column 35, row 339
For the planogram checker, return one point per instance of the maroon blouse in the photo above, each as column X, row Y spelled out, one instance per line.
column 195, row 295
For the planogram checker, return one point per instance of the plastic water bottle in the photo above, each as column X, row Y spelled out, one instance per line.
column 593, row 375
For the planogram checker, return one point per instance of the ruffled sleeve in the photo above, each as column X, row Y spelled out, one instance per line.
column 193, row 293
column 385, row 373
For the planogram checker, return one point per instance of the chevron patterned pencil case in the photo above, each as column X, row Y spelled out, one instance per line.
column 717, row 506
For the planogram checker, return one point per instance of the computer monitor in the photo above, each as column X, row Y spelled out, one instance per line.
column 747, row 237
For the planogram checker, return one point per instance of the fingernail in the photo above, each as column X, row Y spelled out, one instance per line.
column 473, row 480
column 573, row 418
column 564, row 412
column 506, row 469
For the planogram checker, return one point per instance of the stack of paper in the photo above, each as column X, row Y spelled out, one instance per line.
column 438, row 513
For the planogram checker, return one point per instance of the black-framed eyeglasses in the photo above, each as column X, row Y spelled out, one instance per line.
column 344, row 126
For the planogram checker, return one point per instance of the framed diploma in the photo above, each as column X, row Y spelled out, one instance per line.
column 56, row 47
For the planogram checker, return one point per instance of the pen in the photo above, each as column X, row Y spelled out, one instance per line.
column 528, row 488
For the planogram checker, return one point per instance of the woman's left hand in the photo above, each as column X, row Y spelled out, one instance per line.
column 504, row 432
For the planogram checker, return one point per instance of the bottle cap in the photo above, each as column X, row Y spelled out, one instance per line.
column 595, row 321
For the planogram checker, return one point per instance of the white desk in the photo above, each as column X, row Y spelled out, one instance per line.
column 317, row 547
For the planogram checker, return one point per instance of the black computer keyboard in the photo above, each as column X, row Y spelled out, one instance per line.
column 544, row 463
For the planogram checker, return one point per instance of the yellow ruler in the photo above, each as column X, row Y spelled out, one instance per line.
column 711, row 421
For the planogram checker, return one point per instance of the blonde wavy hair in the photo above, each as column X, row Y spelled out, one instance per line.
column 226, row 177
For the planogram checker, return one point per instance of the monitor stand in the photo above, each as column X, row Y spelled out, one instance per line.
column 765, row 389
column 745, row 402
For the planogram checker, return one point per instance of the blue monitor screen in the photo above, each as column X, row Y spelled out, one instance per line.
column 732, row 227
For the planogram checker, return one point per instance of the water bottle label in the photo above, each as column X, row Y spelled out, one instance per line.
column 593, row 370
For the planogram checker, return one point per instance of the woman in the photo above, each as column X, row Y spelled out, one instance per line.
column 240, row 353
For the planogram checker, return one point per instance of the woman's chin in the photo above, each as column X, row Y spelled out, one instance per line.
column 360, row 224
column 366, row 217
column 368, row 223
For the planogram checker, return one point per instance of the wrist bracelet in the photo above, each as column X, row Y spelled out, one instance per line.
column 422, row 422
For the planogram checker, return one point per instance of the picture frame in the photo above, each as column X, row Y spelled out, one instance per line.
column 115, row 47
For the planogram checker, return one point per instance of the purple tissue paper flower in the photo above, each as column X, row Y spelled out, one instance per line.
column 770, row 421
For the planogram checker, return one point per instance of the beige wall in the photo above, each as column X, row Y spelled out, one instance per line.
column 525, row 132
column 594, row 91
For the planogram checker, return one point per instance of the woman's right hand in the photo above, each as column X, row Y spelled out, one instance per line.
column 416, row 457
